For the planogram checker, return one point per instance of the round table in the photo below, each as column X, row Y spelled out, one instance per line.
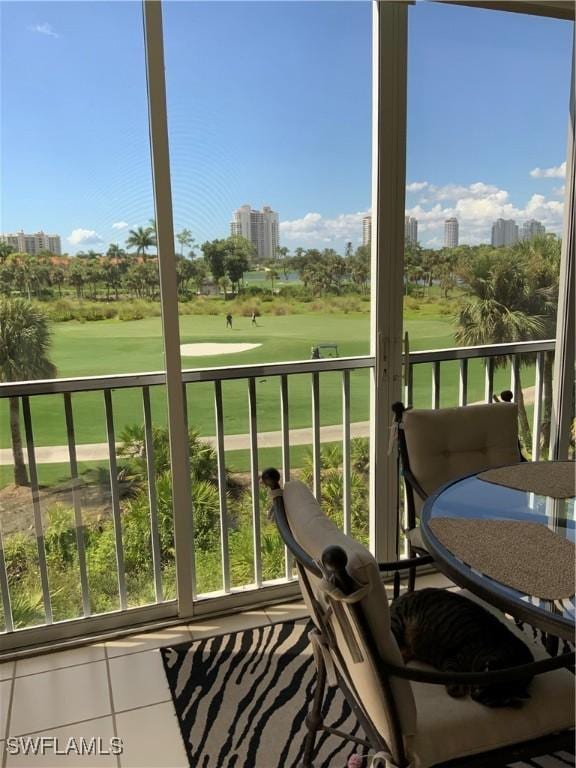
column 470, row 497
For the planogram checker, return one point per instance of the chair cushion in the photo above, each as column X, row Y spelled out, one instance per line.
column 314, row 532
column 415, row 538
column 450, row 442
column 450, row 728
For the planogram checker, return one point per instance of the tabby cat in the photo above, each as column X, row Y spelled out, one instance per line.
column 452, row 633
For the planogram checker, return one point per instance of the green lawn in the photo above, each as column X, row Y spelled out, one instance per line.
column 107, row 347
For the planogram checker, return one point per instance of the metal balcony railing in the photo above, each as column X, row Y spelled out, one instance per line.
column 157, row 599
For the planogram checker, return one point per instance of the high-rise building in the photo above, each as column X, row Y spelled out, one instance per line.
column 450, row 233
column 33, row 244
column 410, row 230
column 504, row 232
column 260, row 228
column 367, row 230
column 531, row 229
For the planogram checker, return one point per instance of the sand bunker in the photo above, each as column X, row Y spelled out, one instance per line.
column 207, row 348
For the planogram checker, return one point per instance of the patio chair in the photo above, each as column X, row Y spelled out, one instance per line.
column 436, row 446
column 408, row 719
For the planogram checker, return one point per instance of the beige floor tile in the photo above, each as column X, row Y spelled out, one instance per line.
column 50, row 661
column 147, row 641
column 62, row 696
column 222, row 625
column 437, row 580
column 6, row 670
column 138, row 680
column 5, row 688
column 101, row 730
column 287, row 611
column 151, row 738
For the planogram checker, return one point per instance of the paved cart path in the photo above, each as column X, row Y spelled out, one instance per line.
column 58, row 454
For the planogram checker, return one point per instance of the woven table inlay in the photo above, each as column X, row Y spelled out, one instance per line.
column 546, row 478
column 526, row 556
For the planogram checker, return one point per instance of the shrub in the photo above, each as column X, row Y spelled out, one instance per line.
column 92, row 311
column 131, row 313
column 60, row 311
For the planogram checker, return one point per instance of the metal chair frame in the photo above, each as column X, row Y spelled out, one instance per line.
column 332, row 568
column 411, row 482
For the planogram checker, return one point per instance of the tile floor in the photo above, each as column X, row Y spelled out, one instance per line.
column 113, row 689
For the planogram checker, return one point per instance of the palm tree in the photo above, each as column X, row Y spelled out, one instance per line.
column 542, row 258
column 24, row 345
column 499, row 311
column 115, row 252
column 141, row 238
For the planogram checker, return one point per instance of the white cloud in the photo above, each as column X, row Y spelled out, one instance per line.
column 120, row 225
column 556, row 172
column 44, row 29
column 416, row 186
column 476, row 207
column 560, row 191
column 84, row 237
column 313, row 227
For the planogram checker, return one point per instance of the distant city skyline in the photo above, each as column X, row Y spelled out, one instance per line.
column 261, row 228
column 301, row 139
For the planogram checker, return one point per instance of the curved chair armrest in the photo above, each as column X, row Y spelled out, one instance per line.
column 508, row 675
column 407, row 474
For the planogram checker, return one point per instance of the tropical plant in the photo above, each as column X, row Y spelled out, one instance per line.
column 186, row 241
column 542, row 258
column 141, row 238
column 24, row 346
column 499, row 310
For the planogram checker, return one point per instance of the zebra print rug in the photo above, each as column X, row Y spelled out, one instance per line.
column 242, row 699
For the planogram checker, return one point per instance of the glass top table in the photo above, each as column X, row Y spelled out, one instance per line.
column 470, row 497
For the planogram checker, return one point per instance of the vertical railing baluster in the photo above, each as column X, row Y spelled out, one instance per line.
column 409, row 397
column 254, row 480
column 5, row 589
column 78, row 522
column 185, row 402
column 463, row 383
column 537, row 420
column 222, row 485
column 116, row 512
column 436, row 384
column 407, row 368
column 285, row 424
column 187, row 459
column 152, row 500
column 515, row 377
column 488, row 379
column 316, row 458
column 38, row 528
column 346, row 463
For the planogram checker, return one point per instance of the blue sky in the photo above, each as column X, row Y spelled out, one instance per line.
column 269, row 103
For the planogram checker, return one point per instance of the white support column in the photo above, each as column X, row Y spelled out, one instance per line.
column 390, row 43
column 563, row 376
column 178, row 429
